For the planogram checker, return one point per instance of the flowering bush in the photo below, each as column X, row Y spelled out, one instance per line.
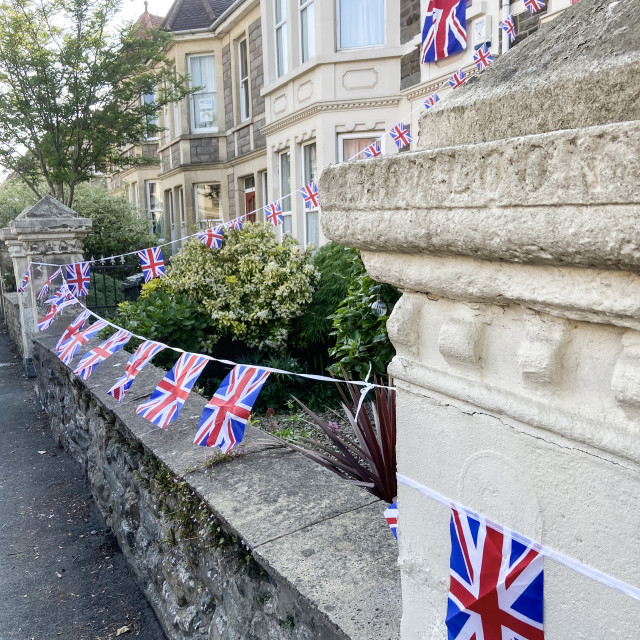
column 250, row 289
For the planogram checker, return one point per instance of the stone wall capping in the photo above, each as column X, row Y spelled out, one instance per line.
column 323, row 538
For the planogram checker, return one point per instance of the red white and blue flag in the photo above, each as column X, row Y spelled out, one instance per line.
column 212, row 237
column 136, row 363
column 391, row 516
column 482, row 57
column 236, row 224
column 534, row 5
column 50, row 316
column 168, row 397
column 72, row 329
column 152, row 263
column 431, row 100
column 92, row 359
column 445, row 29
column 457, row 79
column 224, row 419
column 273, row 212
column 496, row 589
column 67, row 351
column 508, row 26
column 45, row 287
column 373, row 150
column 310, row 195
column 25, row 280
column 400, row 135
column 77, row 276
column 63, row 293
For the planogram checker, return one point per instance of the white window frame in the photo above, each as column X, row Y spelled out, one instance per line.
column 169, row 196
column 243, row 82
column 150, row 212
column 302, row 6
column 176, row 114
column 364, row 134
column 287, row 214
column 308, row 179
column 280, row 26
column 362, row 46
column 181, row 214
column 194, row 96
column 150, row 120
column 203, row 223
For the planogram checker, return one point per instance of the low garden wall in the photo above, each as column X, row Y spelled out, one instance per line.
column 11, row 309
column 265, row 544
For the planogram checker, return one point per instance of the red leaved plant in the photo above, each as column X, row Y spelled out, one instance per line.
column 371, row 461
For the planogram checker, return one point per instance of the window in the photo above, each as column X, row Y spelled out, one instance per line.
column 243, row 68
column 309, row 174
column 183, row 222
column 307, row 31
column 155, row 208
column 133, row 195
column 151, row 118
column 168, row 196
column 281, row 37
column 361, row 23
column 349, row 147
column 204, row 107
column 176, row 113
column 250, row 198
column 207, row 198
column 285, row 188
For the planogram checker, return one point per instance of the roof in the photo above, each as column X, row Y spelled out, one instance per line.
column 185, row 15
column 148, row 20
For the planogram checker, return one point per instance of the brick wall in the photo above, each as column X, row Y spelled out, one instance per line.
column 165, row 160
column 175, row 155
column 232, row 195
column 228, row 89
column 256, row 67
column 259, row 141
column 205, row 150
column 409, row 27
column 244, row 140
column 526, row 24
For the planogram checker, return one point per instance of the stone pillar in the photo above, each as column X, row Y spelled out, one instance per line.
column 518, row 332
column 47, row 232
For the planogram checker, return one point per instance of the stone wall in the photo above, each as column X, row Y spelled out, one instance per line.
column 205, row 150
column 11, row 308
column 282, row 549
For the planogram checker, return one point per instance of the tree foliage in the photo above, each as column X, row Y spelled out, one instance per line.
column 15, row 195
column 70, row 90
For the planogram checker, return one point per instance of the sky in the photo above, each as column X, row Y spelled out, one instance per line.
column 131, row 9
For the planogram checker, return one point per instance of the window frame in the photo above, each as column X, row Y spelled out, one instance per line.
column 374, row 135
column 307, row 178
column 150, row 119
column 244, row 88
column 194, row 96
column 199, row 219
column 287, row 214
column 361, row 46
column 303, row 5
column 152, row 211
column 280, row 26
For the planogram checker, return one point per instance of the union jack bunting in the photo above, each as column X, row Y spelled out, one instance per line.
column 391, row 516
column 400, row 135
column 136, row 363
column 73, row 328
column 431, row 100
column 212, row 237
column 62, row 293
column 496, row 589
column 152, row 263
column 310, row 196
column 25, row 280
column 534, row 5
column 457, row 79
column 372, row 151
column 509, row 27
column 445, row 29
column 77, row 276
column 92, row 359
column 48, row 319
column 236, row 224
column 482, row 57
column 225, row 417
column 274, row 213
column 67, row 351
column 168, row 397
column 45, row 287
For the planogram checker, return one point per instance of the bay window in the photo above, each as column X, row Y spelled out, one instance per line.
column 204, row 106
column 281, row 37
column 285, row 188
column 310, row 174
column 361, row 23
column 207, row 201
column 243, row 69
column 307, row 30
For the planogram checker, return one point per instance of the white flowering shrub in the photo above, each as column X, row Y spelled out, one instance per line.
column 250, row 289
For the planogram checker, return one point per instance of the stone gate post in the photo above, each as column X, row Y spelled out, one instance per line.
column 514, row 235
column 48, row 232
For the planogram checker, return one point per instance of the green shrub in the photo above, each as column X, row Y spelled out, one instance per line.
column 14, row 197
column 250, row 289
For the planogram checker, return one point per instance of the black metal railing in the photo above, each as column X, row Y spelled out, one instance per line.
column 112, row 282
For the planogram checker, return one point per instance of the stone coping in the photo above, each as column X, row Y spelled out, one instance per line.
column 324, row 537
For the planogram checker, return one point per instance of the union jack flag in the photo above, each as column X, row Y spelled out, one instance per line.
column 168, row 397
column 73, row 328
column 25, row 280
column 45, row 287
column 92, row 359
column 534, row 5
column 391, row 516
column 48, row 319
column 482, row 57
column 310, row 195
column 496, row 589
column 431, row 100
column 78, row 278
column 445, row 29
column 509, row 27
column 225, row 417
column 67, row 351
column 136, row 363
column 274, row 213
column 457, row 79
column 373, row 150
column 61, row 294
column 236, row 224
column 400, row 135
column 152, row 263
column 212, row 237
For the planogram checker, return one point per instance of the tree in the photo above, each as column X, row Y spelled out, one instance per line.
column 71, row 90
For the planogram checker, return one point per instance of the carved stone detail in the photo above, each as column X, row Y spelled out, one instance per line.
column 625, row 381
column 539, row 355
column 403, row 325
column 461, row 339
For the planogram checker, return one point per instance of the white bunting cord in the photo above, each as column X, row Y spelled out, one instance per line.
column 571, row 563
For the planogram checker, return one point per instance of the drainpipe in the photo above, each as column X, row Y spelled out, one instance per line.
column 505, row 37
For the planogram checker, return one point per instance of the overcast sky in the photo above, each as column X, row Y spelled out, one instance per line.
column 131, row 9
